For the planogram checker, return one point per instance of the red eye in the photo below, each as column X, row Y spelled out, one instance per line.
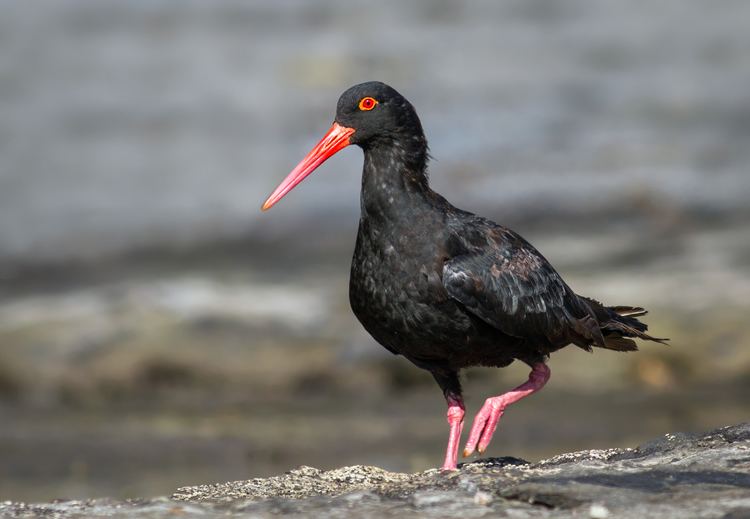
column 367, row 103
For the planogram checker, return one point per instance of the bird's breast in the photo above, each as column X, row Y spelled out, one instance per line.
column 396, row 291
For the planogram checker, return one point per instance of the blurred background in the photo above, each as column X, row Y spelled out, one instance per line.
column 158, row 330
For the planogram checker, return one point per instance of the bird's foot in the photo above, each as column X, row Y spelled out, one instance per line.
column 489, row 415
column 485, row 424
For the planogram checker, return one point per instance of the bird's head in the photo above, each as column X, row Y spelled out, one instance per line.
column 376, row 113
column 368, row 115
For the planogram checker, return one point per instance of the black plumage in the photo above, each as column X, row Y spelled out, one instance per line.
column 443, row 287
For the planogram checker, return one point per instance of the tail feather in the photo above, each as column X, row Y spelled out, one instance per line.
column 619, row 343
column 619, row 325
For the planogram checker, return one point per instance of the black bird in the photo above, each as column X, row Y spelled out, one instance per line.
column 443, row 287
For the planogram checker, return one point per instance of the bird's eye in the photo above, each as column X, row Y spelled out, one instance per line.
column 367, row 103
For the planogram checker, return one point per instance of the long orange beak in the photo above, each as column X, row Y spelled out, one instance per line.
column 335, row 140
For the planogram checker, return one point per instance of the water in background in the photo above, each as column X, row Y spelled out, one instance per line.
column 156, row 329
column 143, row 122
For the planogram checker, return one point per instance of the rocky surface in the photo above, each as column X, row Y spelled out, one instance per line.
column 679, row 475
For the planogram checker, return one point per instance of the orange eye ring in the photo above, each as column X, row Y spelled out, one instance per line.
column 367, row 103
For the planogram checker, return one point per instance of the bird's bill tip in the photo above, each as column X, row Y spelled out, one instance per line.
column 335, row 139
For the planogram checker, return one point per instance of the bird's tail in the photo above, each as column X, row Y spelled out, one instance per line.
column 619, row 325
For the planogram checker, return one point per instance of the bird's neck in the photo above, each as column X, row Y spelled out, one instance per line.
column 394, row 179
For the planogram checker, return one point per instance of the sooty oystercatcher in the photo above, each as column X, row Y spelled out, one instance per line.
column 443, row 287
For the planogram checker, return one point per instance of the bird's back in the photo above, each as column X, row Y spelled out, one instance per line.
column 508, row 283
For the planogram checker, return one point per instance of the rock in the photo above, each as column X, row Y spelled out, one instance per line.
column 679, row 475
column 296, row 484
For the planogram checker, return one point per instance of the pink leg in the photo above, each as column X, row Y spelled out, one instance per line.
column 456, row 421
column 489, row 415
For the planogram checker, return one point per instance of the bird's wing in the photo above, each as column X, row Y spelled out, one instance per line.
column 508, row 284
